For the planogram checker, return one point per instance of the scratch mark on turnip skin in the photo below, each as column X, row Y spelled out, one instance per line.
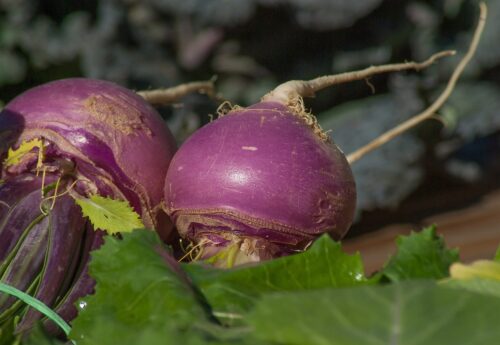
column 249, row 148
column 219, row 152
column 234, row 190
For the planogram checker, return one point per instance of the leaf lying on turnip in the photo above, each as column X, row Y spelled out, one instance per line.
column 110, row 215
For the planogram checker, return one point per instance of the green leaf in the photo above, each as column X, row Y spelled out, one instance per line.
column 14, row 156
column 39, row 337
column 110, row 215
column 421, row 255
column 141, row 297
column 35, row 304
column 234, row 291
column 7, row 336
column 497, row 255
column 416, row 313
column 482, row 286
column 481, row 276
column 483, row 269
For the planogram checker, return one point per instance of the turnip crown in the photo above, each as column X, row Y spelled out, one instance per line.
column 260, row 173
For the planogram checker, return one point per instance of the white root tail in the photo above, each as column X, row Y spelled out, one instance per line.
column 174, row 94
column 293, row 89
column 431, row 110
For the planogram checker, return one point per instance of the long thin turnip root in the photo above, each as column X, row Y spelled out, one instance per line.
column 174, row 94
column 265, row 181
column 66, row 140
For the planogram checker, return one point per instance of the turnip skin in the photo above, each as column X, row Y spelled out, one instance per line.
column 262, row 175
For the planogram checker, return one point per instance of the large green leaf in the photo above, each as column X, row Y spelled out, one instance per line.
column 232, row 292
column 420, row 255
column 409, row 313
column 141, row 297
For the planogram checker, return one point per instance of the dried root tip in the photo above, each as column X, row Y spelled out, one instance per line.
column 226, row 107
column 296, row 105
column 193, row 252
column 174, row 94
column 44, row 208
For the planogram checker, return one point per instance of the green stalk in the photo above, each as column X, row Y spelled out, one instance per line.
column 38, row 305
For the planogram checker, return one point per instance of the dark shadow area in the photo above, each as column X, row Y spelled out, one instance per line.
column 11, row 126
column 440, row 191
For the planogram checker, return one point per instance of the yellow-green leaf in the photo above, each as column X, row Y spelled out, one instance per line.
column 482, row 269
column 14, row 156
column 110, row 215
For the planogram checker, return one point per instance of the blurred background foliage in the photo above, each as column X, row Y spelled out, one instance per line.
column 253, row 45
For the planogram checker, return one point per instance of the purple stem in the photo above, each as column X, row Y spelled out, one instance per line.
column 66, row 232
column 24, row 268
column 21, row 199
column 83, row 286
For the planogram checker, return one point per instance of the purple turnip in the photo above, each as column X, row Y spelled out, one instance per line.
column 261, row 180
column 111, row 135
column 265, row 181
column 77, row 138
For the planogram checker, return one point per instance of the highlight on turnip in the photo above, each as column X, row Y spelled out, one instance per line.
column 62, row 144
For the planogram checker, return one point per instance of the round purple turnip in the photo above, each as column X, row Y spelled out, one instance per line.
column 94, row 137
column 258, row 183
column 265, row 181
column 116, row 140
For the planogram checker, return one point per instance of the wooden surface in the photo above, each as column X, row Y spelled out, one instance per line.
column 475, row 230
